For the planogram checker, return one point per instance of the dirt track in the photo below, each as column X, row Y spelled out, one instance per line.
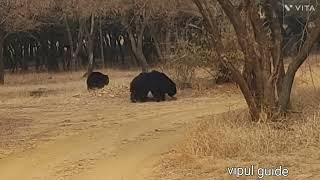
column 80, row 136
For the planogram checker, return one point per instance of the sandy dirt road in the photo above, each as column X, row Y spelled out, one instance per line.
column 82, row 137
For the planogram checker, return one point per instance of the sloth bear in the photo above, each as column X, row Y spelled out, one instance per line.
column 97, row 80
column 155, row 82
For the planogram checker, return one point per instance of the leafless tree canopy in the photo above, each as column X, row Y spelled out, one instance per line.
column 264, row 82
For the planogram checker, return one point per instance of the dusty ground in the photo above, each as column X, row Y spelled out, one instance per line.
column 66, row 132
column 230, row 139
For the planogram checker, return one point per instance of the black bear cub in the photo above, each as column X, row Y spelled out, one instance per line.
column 159, row 84
column 97, row 80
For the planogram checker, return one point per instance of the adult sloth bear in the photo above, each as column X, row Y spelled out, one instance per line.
column 155, row 82
column 97, row 80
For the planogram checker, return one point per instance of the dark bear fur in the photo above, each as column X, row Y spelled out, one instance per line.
column 155, row 82
column 160, row 85
column 138, row 88
column 97, row 80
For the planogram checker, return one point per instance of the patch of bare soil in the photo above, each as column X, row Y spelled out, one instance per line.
column 59, row 130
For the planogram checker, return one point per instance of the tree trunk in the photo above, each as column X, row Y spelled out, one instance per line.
column 167, row 43
column 127, row 44
column 90, row 45
column 101, row 43
column 74, row 52
column 288, row 79
column 263, row 81
column 136, row 46
column 2, row 35
column 157, row 45
column 70, row 43
column 250, row 94
column 121, row 53
column 158, row 49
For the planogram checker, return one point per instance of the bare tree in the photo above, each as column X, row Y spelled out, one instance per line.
column 90, row 37
column 265, row 84
column 17, row 16
column 136, row 21
column 85, row 12
column 101, row 42
column 141, row 16
column 74, row 50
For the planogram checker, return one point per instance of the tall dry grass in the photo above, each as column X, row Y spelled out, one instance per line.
column 232, row 139
column 223, row 137
column 233, row 135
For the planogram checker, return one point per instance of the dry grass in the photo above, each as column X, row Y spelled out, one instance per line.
column 52, row 78
column 61, row 84
column 216, row 142
column 42, row 90
column 232, row 140
column 33, row 85
column 224, row 137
